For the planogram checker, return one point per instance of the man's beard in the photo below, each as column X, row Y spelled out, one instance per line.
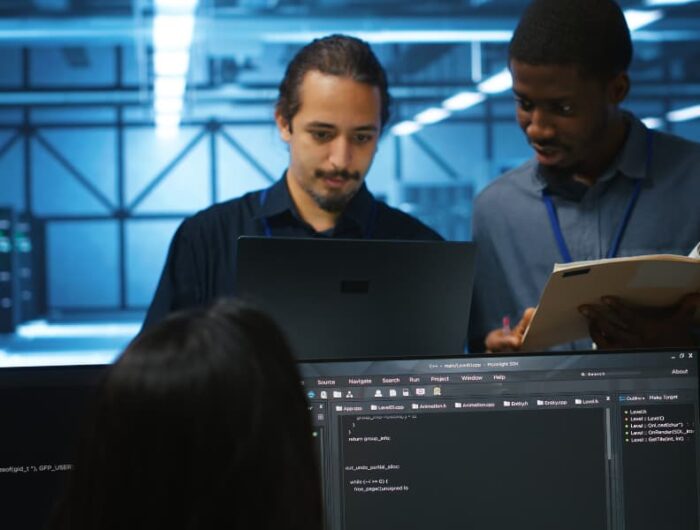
column 592, row 141
column 561, row 172
column 334, row 202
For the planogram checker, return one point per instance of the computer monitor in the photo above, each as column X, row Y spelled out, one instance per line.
column 361, row 298
column 602, row 441
column 583, row 441
column 41, row 413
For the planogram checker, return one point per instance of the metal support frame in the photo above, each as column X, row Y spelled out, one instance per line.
column 666, row 100
column 73, row 171
column 489, row 133
column 121, row 181
column 398, row 159
column 247, row 156
column 9, row 144
column 214, row 128
column 166, row 171
column 27, row 131
column 435, row 157
column 122, row 212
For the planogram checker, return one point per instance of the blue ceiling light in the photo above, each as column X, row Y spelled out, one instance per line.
column 405, row 128
column 463, row 100
column 653, row 122
column 397, row 36
column 497, row 83
column 432, row 115
column 668, row 2
column 637, row 19
column 684, row 114
column 173, row 31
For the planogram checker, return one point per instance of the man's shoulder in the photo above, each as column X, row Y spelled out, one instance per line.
column 401, row 225
column 514, row 182
column 675, row 146
column 675, row 166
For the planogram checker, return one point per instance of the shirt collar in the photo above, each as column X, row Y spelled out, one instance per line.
column 632, row 160
column 278, row 201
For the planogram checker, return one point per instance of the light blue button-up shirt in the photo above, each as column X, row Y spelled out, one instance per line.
column 516, row 248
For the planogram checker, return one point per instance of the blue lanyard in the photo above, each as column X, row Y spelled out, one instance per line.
column 266, row 226
column 367, row 234
column 615, row 246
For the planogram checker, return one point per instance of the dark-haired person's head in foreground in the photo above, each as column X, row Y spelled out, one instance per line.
column 569, row 61
column 200, row 424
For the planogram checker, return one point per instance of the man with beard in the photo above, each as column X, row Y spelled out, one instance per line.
column 333, row 104
column 601, row 184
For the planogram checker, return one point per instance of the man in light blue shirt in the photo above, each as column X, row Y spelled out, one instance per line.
column 601, row 184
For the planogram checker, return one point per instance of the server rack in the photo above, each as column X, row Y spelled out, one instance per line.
column 30, row 281
column 8, row 311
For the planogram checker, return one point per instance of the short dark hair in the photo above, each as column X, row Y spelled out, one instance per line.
column 201, row 423
column 590, row 34
column 339, row 55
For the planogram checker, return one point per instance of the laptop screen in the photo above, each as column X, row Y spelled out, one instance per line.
column 583, row 441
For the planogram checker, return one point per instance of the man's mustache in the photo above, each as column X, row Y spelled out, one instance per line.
column 342, row 173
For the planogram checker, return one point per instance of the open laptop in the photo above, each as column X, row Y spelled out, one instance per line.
column 361, row 298
column 536, row 442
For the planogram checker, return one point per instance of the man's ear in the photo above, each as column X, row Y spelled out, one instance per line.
column 618, row 88
column 283, row 126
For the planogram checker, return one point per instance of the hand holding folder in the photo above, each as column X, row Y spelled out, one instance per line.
column 654, row 281
column 616, row 324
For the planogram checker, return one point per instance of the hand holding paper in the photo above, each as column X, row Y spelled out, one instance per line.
column 654, row 310
column 508, row 339
column 616, row 324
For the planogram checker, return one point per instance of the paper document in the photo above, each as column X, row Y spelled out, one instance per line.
column 695, row 253
column 654, row 280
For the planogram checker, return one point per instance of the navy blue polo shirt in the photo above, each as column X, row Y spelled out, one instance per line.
column 201, row 261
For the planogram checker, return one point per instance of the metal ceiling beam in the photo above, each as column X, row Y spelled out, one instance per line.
column 222, row 31
column 95, row 30
column 52, row 5
column 202, row 96
column 266, row 95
